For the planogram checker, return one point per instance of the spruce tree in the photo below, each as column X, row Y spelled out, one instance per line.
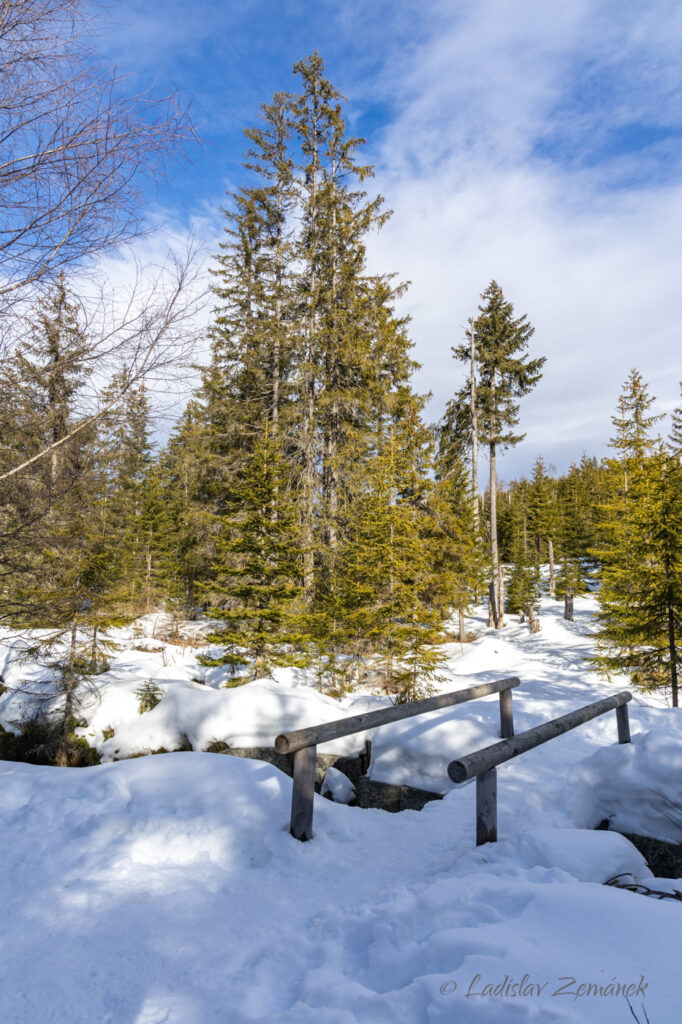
column 306, row 344
column 639, row 551
column 69, row 560
column 186, row 489
column 387, row 569
column 505, row 374
column 258, row 564
column 675, row 439
column 457, row 552
column 124, row 459
column 340, row 306
column 522, row 591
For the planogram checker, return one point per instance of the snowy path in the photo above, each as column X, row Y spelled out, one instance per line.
column 166, row 890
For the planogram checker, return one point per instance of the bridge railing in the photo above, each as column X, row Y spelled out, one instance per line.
column 303, row 743
column 483, row 763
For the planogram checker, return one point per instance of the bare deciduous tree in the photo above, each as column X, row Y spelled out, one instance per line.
column 75, row 146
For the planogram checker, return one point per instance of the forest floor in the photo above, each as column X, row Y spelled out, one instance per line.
column 167, row 889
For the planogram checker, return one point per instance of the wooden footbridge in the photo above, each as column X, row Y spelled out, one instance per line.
column 482, row 764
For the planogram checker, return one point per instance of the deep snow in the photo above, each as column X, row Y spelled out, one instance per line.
column 167, row 888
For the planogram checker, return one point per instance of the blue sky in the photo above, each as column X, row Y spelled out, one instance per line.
column 535, row 142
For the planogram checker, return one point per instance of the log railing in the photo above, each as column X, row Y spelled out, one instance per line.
column 483, row 763
column 303, row 743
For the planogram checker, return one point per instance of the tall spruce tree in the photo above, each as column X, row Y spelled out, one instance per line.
column 505, row 374
column 640, row 551
column 306, row 347
column 338, row 310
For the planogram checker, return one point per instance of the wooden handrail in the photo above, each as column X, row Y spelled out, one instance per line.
column 290, row 742
column 302, row 743
column 489, row 757
column 483, row 763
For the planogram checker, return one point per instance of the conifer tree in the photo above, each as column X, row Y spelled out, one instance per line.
column 180, row 514
column 305, row 344
column 258, row 564
column 458, row 558
column 506, row 373
column 339, row 309
column 387, row 569
column 675, row 439
column 523, row 592
column 465, row 408
column 579, row 494
column 68, row 560
column 571, row 578
column 639, row 552
column 124, row 458
column 45, row 376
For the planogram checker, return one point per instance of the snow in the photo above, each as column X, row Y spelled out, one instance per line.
column 338, row 786
column 250, row 715
column 168, row 889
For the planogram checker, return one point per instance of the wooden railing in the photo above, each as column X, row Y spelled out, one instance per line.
column 483, row 763
column 303, row 743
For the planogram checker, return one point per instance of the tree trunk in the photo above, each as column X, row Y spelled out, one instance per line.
column 277, row 340
column 552, row 579
column 568, row 606
column 309, row 380
column 462, row 634
column 494, row 554
column 93, row 649
column 474, row 426
column 308, row 485
column 62, row 756
column 671, row 636
column 492, row 605
column 148, row 579
column 332, row 382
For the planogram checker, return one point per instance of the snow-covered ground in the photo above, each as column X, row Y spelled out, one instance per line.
column 167, row 889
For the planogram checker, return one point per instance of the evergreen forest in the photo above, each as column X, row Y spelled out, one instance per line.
column 303, row 502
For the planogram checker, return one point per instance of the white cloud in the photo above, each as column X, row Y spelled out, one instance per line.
column 594, row 262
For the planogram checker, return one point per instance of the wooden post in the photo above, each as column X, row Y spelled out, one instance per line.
column 486, row 807
column 506, row 715
column 303, row 793
column 568, row 607
column 623, row 722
